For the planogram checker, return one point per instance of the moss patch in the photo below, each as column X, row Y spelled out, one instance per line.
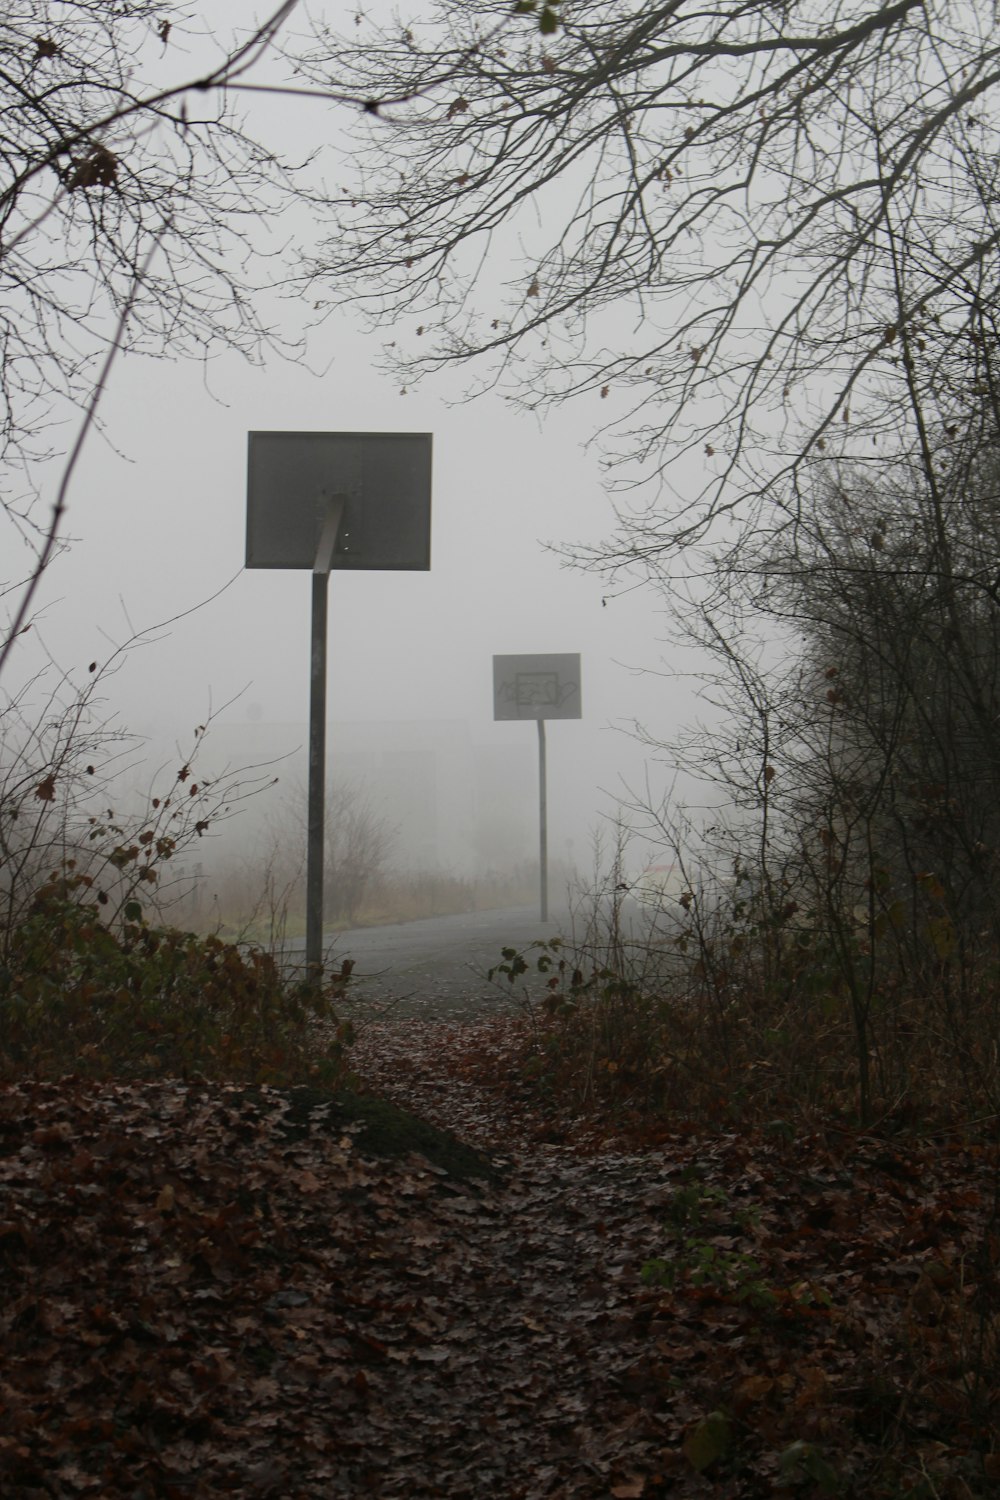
column 385, row 1128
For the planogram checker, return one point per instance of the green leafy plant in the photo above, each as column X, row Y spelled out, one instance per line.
column 700, row 1264
column 698, row 1216
column 802, row 1464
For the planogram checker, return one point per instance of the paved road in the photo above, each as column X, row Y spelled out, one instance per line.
column 437, row 967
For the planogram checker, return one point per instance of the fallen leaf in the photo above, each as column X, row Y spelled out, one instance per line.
column 707, row 1442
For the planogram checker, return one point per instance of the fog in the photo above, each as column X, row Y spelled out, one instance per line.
column 158, row 531
column 156, row 516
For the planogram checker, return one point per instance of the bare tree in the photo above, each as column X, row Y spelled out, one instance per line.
column 130, row 196
column 905, row 646
column 138, row 211
column 763, row 235
column 357, row 847
column 100, row 160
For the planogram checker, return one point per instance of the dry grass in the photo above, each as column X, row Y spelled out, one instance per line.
column 256, row 904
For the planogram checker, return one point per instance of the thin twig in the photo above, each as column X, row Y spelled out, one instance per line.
column 59, row 509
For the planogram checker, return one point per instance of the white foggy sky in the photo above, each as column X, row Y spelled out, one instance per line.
column 161, row 528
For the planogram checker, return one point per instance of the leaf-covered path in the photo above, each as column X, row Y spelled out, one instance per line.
column 209, row 1292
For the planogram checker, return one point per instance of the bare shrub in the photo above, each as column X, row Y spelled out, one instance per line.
column 837, row 948
column 91, row 981
column 63, row 764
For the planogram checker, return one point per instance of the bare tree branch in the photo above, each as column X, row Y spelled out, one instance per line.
column 59, row 508
column 692, row 214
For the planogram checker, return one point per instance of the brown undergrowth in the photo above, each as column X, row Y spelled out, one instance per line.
column 144, row 1001
column 820, row 1308
column 721, row 1034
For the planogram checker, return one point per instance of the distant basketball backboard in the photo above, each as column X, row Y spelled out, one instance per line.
column 384, row 479
column 537, row 687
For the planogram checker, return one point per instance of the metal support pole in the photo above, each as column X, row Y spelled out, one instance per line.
column 316, row 829
column 317, row 781
column 543, row 824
